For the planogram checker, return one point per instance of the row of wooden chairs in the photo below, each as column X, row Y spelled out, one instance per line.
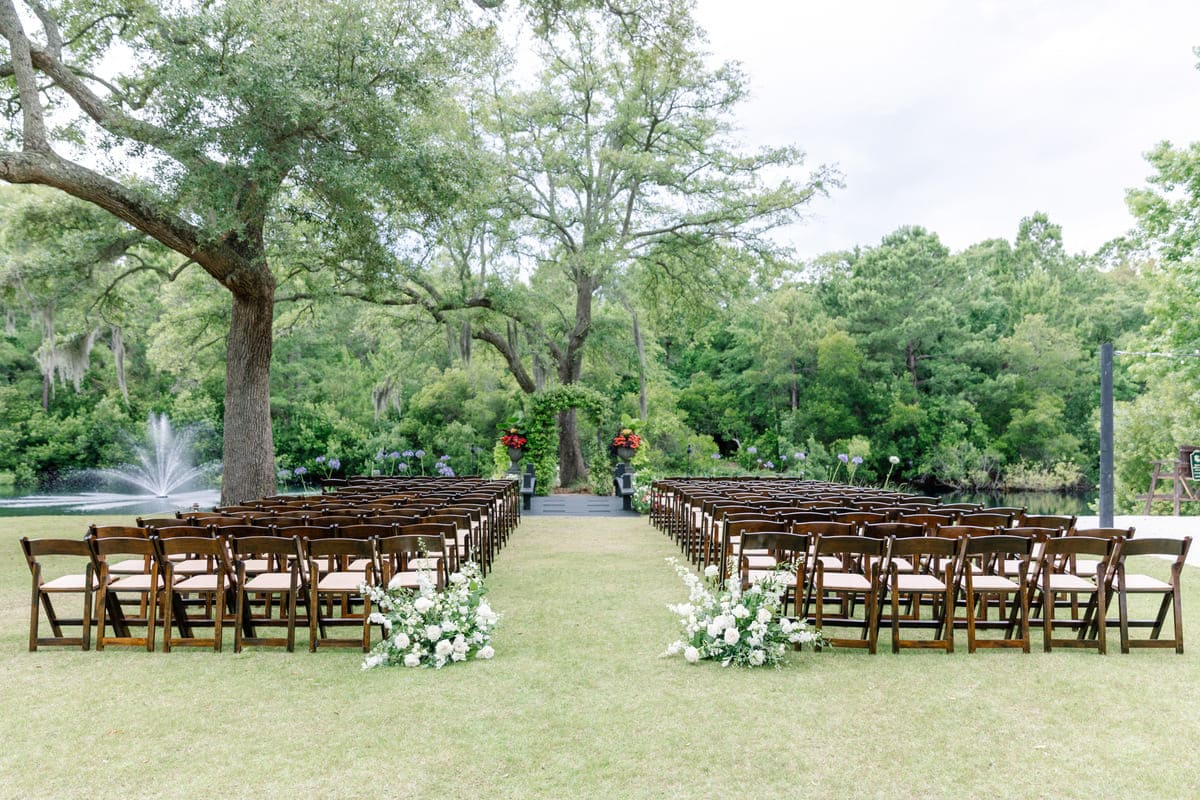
column 960, row 575
column 132, row 584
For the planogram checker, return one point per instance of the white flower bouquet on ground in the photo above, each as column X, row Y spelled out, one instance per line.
column 425, row 627
column 736, row 627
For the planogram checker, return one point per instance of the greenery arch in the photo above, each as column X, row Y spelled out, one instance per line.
column 541, row 428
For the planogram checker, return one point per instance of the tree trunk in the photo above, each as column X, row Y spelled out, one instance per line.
column 571, row 468
column 641, row 351
column 249, row 446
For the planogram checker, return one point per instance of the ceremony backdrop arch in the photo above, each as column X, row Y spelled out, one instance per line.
column 542, row 431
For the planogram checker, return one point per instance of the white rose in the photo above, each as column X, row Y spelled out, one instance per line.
column 485, row 652
column 674, row 647
column 443, row 648
column 715, row 627
column 433, row 632
column 412, row 660
column 711, row 571
column 422, row 604
column 757, row 657
column 400, row 640
column 460, row 644
column 732, row 636
column 740, row 611
column 458, row 579
column 691, row 655
column 373, row 660
column 763, row 615
column 786, row 625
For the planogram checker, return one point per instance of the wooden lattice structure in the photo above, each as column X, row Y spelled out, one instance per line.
column 1178, row 471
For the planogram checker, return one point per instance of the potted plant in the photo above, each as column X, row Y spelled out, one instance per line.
column 626, row 443
column 515, row 440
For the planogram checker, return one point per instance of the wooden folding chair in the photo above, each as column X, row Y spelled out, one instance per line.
column 916, row 567
column 1127, row 584
column 145, row 585
column 985, row 574
column 280, row 578
column 204, row 572
column 761, row 552
column 1058, row 578
column 846, row 568
column 343, row 584
column 72, row 582
column 401, row 556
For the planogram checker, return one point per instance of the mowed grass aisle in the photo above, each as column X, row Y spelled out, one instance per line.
column 578, row 703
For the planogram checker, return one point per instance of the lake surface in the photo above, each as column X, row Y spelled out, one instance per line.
column 17, row 505
column 1077, row 503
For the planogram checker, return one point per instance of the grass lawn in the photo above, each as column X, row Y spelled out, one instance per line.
column 577, row 703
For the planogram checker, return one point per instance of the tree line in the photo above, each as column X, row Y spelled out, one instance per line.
column 347, row 230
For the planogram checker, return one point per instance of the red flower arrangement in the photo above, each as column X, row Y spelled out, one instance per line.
column 513, row 438
column 627, row 438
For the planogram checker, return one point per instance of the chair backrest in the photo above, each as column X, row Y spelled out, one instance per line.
column 860, row 517
column 881, row 530
column 37, row 548
column 931, row 519
column 919, row 545
column 176, row 531
column 1067, row 523
column 824, row 529
column 782, row 546
column 194, row 546
column 161, row 522
column 1156, row 547
column 987, row 519
column 397, row 552
column 365, row 531
column 102, row 548
column 338, row 552
column 117, row 532
column 281, row 548
column 1104, row 533
column 963, row 531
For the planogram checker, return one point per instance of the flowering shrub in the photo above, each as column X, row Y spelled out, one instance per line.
column 425, row 627
column 727, row 624
column 627, row 438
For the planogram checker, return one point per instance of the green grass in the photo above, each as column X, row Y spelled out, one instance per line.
column 577, row 703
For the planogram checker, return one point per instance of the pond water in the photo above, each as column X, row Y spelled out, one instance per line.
column 1077, row 503
column 16, row 505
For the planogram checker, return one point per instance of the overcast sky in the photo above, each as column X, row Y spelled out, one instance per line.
column 961, row 116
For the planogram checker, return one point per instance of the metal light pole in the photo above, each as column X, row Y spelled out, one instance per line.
column 1106, row 435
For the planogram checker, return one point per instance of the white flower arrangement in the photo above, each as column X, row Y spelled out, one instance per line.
column 742, row 628
column 425, row 627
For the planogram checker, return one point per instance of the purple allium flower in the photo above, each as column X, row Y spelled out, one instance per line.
column 320, row 459
column 335, row 463
column 379, row 456
column 301, row 471
column 751, row 449
column 419, row 454
column 799, row 456
column 769, row 465
column 406, row 454
column 842, row 457
column 284, row 474
column 856, row 460
column 444, row 458
column 394, row 455
column 782, row 457
column 716, row 455
column 402, row 467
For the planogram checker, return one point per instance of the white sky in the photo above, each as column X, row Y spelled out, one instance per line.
column 963, row 116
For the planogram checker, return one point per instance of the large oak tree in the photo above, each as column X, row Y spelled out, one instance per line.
column 226, row 112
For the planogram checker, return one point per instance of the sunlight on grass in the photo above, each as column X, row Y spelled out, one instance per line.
column 577, row 703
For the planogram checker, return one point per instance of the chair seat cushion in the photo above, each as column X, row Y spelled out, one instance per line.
column 919, row 583
column 404, row 580
column 135, row 583
column 197, row 583
column 270, row 582
column 1144, row 583
column 1061, row 582
column 69, row 583
column 340, row 582
column 845, row 582
column 993, row 583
